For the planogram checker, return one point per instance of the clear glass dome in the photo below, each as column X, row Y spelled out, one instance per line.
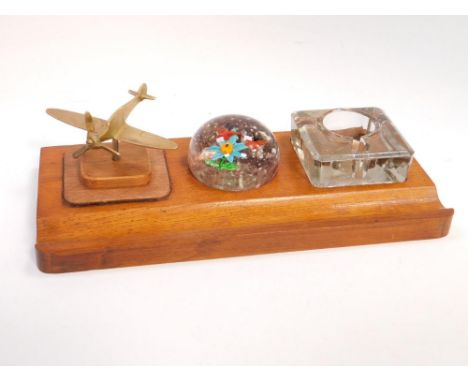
column 233, row 153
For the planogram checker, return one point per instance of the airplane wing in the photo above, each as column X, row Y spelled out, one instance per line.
column 77, row 119
column 142, row 138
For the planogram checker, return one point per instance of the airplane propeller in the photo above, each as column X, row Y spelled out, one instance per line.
column 92, row 140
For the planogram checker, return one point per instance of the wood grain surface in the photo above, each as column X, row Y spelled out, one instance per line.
column 195, row 222
column 97, row 170
column 141, row 176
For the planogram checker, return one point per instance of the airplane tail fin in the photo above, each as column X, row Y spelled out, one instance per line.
column 141, row 93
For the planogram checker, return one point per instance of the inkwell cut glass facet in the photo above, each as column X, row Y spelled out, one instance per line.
column 344, row 147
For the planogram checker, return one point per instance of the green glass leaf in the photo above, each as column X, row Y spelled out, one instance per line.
column 229, row 166
column 212, row 163
column 222, row 164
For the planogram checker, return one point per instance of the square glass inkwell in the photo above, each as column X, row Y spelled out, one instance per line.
column 346, row 147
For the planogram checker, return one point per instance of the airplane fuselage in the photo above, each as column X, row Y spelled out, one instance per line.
column 118, row 119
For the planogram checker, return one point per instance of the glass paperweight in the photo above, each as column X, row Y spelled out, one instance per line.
column 233, row 153
column 343, row 147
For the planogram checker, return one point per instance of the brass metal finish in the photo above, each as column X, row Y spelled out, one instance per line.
column 115, row 128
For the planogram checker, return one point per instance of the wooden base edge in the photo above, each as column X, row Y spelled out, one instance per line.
column 189, row 246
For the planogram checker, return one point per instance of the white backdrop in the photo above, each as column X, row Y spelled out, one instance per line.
column 401, row 303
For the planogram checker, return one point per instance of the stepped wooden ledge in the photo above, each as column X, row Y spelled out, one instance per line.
column 140, row 175
column 195, row 222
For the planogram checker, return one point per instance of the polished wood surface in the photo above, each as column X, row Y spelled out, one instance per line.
column 98, row 170
column 94, row 178
column 195, row 222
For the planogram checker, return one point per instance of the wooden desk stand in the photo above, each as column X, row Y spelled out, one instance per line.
column 195, row 222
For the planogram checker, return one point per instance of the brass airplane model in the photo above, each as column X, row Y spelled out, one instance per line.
column 115, row 128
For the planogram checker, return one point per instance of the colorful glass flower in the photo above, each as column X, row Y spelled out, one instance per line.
column 229, row 149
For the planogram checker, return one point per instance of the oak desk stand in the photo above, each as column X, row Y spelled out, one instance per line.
column 194, row 222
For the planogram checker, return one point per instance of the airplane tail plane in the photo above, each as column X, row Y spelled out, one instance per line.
column 141, row 93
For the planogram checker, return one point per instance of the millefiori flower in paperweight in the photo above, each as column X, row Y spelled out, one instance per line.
column 233, row 153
